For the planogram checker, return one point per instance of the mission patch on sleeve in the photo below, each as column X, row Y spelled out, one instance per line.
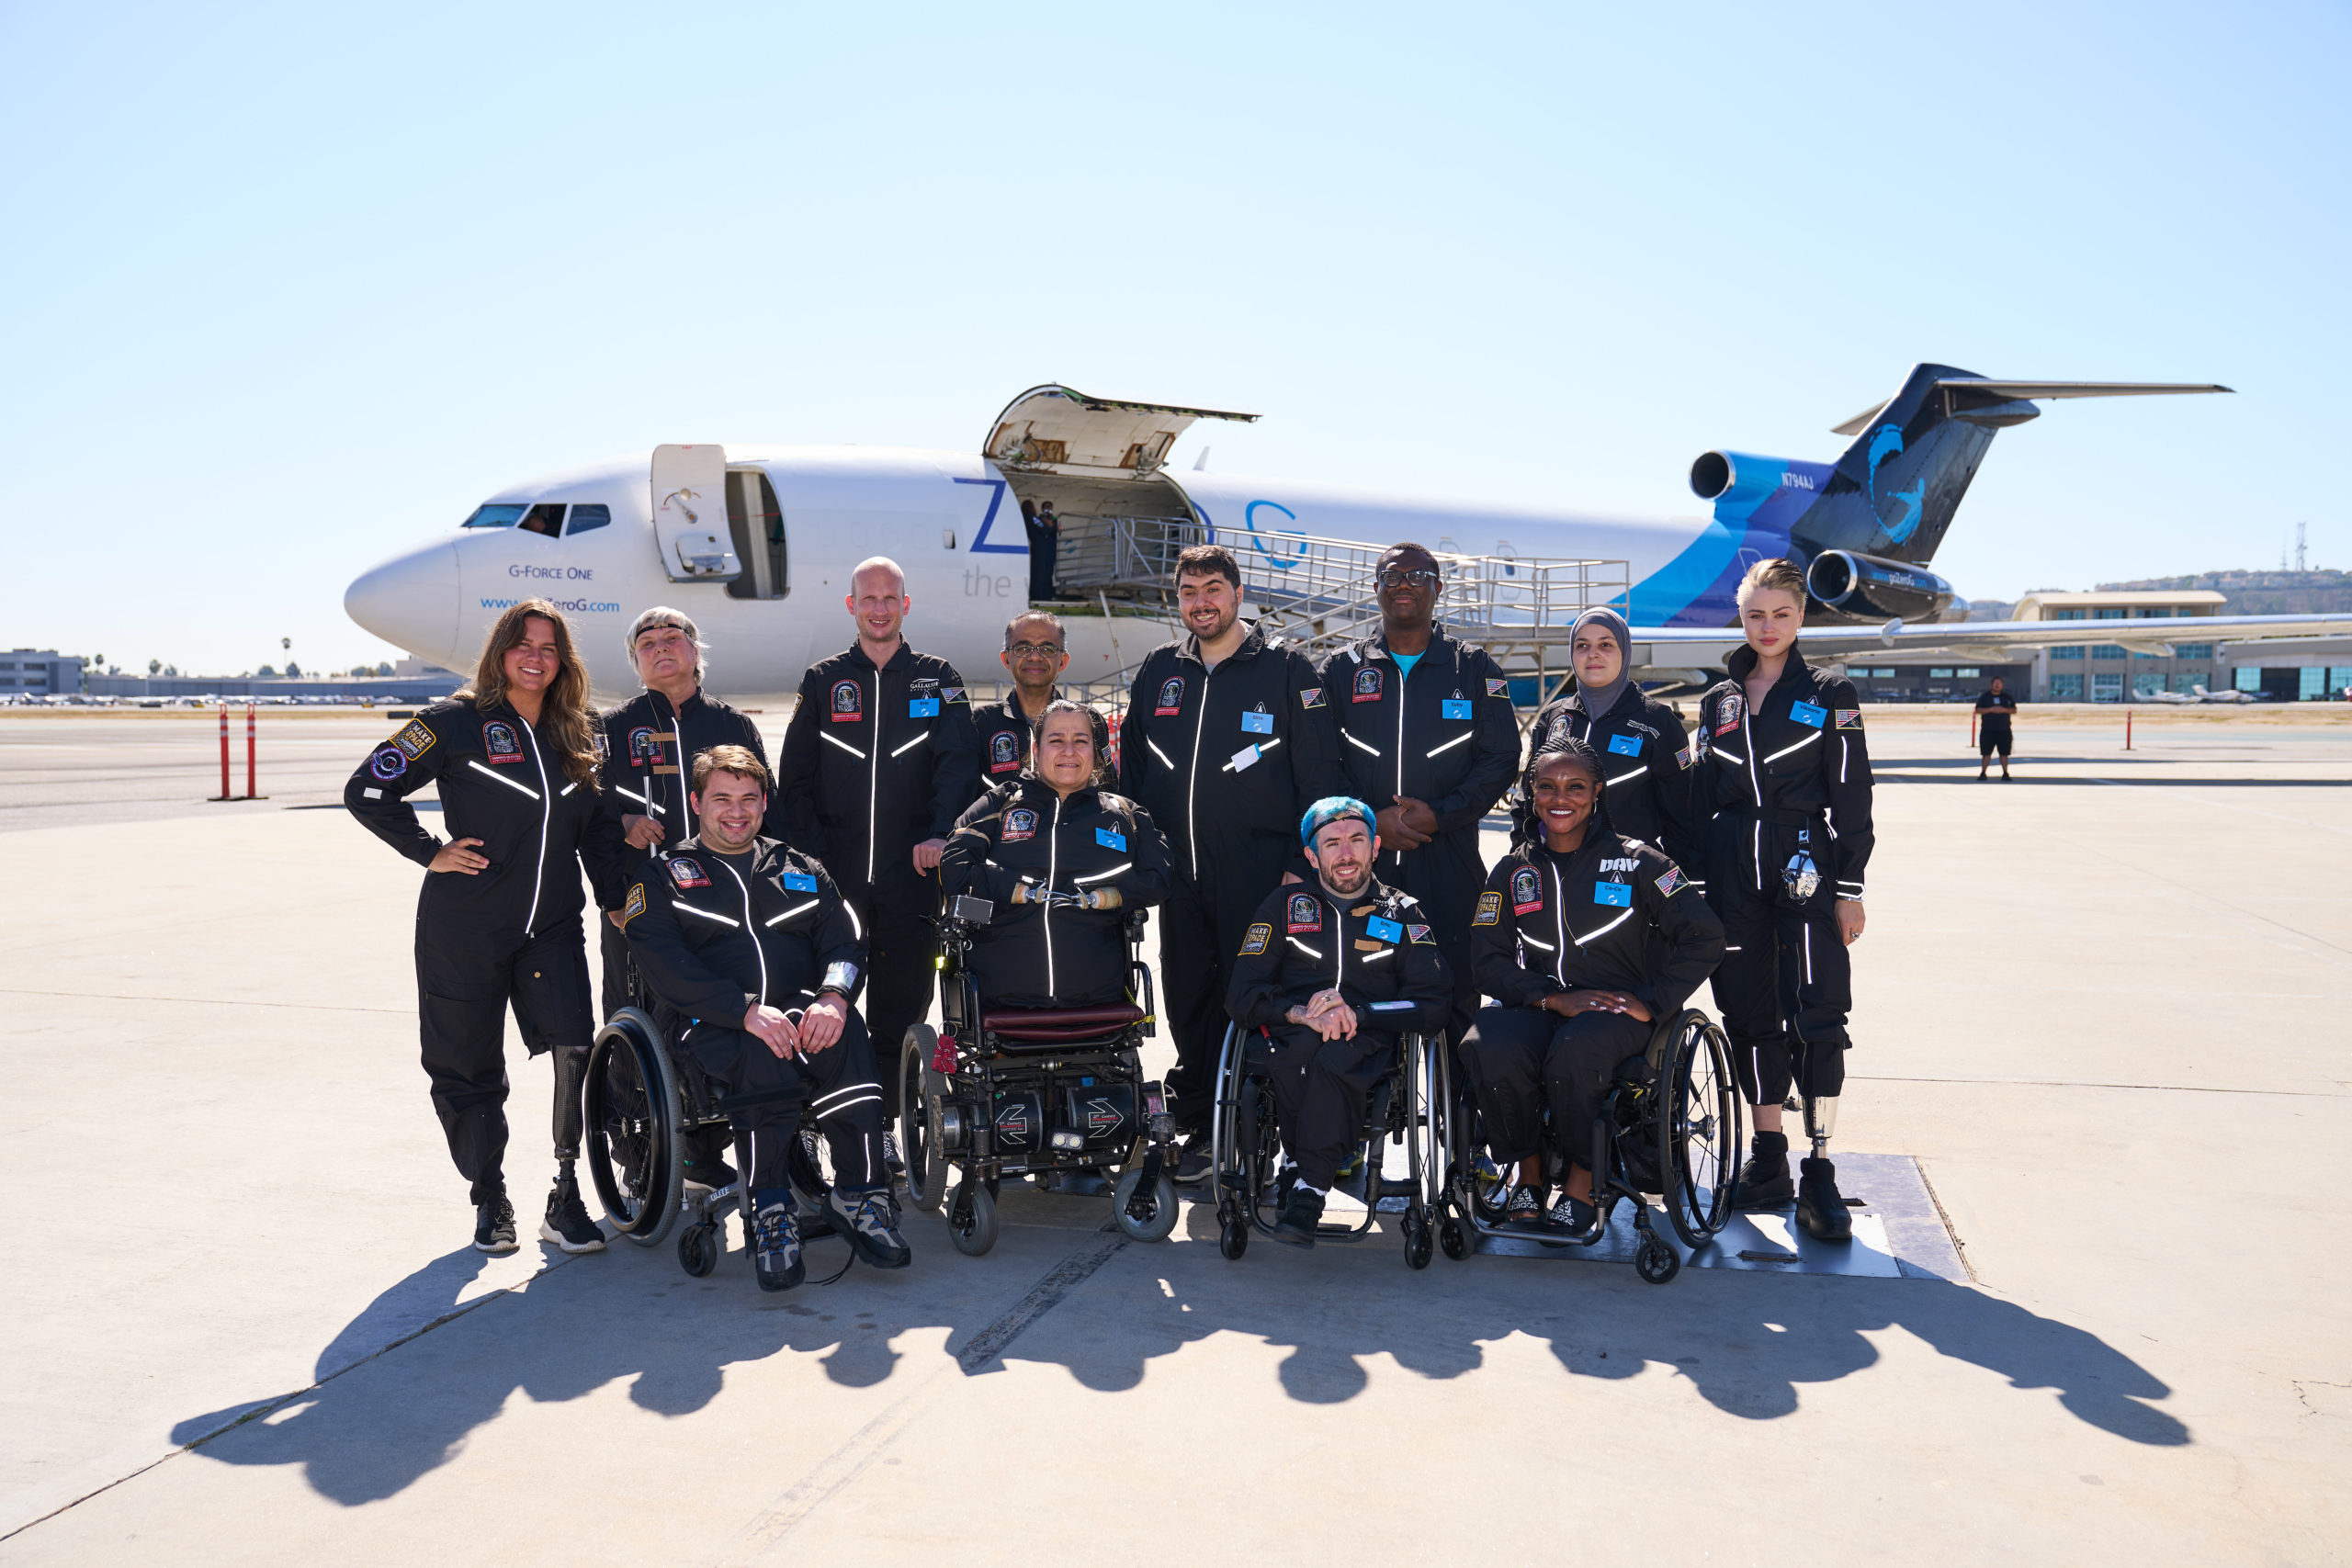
column 1254, row 941
column 1490, row 910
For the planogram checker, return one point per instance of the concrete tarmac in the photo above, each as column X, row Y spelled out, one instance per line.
column 2101, row 1006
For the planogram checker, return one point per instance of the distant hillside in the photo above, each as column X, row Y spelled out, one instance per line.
column 2262, row 592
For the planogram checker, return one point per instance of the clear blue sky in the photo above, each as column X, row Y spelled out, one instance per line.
column 288, row 287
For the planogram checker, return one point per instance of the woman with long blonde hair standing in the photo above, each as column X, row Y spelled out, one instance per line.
column 498, row 921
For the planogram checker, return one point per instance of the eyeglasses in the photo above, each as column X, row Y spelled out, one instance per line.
column 1033, row 650
column 1396, row 578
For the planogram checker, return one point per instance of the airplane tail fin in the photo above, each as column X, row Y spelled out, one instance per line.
column 1892, row 493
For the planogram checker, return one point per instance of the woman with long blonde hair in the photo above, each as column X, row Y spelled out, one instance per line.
column 498, row 921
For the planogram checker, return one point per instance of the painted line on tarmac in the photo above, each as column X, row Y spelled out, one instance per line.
column 2230, row 806
column 1042, row 1297
column 201, row 1002
column 2086, row 1083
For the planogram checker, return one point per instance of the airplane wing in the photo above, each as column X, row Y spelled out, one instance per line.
column 1681, row 647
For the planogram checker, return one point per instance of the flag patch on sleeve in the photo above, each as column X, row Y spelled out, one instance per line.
column 1310, row 696
column 1672, row 882
column 1850, row 718
column 1497, row 687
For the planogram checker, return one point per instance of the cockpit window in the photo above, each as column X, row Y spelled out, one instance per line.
column 498, row 514
column 585, row 517
column 545, row 518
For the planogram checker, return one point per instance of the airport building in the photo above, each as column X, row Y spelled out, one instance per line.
column 39, row 672
column 2109, row 672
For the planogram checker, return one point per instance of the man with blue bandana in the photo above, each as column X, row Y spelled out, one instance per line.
column 1330, row 973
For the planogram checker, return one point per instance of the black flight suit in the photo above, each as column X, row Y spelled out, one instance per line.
column 1378, row 950
column 874, row 763
column 1226, row 760
column 1611, row 915
column 713, row 935
column 1646, row 765
column 1794, row 773
column 650, row 751
column 1003, row 732
column 1443, row 733
column 507, row 936
column 1053, row 954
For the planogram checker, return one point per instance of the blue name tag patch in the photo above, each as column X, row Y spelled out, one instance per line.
column 799, row 882
column 1625, row 745
column 1110, row 839
column 1257, row 724
column 1455, row 708
column 922, row 707
column 1808, row 714
column 1617, row 894
column 1386, row 931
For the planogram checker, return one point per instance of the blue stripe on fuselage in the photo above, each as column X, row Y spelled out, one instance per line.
column 1752, row 520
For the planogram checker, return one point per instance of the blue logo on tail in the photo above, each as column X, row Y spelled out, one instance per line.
column 1885, row 443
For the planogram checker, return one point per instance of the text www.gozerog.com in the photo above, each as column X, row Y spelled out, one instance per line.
column 570, row 606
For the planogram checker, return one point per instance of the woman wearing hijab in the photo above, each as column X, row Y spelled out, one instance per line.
column 1641, row 742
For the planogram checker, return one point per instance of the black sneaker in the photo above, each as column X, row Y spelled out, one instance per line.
column 870, row 1220
column 1523, row 1207
column 775, row 1240
column 1820, row 1209
column 1764, row 1180
column 495, row 1226
column 567, row 1224
column 1570, row 1216
column 1194, row 1160
column 1301, row 1213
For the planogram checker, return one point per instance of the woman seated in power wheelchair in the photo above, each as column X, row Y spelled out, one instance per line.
column 1044, row 1003
column 1336, row 991
column 751, row 962
column 1589, row 1075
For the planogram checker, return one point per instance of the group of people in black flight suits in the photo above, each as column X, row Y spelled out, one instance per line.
column 1309, row 834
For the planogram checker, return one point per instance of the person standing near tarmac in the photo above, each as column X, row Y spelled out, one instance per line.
column 1995, row 708
column 1784, row 777
column 1044, row 531
column 650, row 744
column 1427, row 737
column 498, row 919
column 879, row 760
column 1036, row 653
column 1226, row 740
column 1640, row 740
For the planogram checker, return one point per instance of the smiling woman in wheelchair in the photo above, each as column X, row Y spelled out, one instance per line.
column 1061, row 859
column 1585, row 938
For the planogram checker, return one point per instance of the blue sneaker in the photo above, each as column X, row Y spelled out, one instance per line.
column 870, row 1220
column 775, row 1240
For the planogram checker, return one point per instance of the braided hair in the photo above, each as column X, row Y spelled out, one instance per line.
column 1526, row 826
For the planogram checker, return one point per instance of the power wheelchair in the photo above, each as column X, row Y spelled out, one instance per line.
column 1672, row 1124
column 1055, row 1092
column 640, row 1099
column 1245, row 1141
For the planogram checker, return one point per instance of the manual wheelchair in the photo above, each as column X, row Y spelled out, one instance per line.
column 1672, row 1124
column 640, row 1099
column 1245, row 1141
column 1055, row 1092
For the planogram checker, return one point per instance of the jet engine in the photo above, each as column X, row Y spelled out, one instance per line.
column 1871, row 588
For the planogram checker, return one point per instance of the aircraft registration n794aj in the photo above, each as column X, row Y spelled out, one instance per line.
column 757, row 543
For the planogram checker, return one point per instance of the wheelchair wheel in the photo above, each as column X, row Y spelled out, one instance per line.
column 698, row 1249
column 1655, row 1261
column 920, row 1088
column 1699, row 1129
column 1233, row 1237
column 971, row 1218
column 629, row 1107
column 1419, row 1235
column 1162, row 1216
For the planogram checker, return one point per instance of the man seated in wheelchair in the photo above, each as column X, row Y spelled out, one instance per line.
column 1333, row 973
column 1586, row 939
column 1061, row 858
column 755, row 963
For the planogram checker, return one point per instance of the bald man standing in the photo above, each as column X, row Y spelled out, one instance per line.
column 879, row 760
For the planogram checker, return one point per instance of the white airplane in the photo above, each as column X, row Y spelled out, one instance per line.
column 757, row 541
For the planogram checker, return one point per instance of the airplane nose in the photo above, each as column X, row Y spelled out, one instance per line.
column 411, row 601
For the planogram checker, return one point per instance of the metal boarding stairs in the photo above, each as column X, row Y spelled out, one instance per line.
column 1318, row 594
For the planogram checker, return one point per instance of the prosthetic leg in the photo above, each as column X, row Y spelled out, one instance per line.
column 567, row 1223
column 1820, row 1208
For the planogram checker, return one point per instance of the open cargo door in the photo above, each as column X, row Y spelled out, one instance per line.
column 1055, row 430
column 690, row 514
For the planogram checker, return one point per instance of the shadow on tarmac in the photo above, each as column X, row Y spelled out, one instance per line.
column 1749, row 1344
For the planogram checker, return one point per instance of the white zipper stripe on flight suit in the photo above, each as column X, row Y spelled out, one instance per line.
column 1559, row 926
column 1798, row 747
column 873, row 785
column 1637, row 773
column 1053, row 864
column 547, row 808
column 1105, row 876
column 911, row 744
column 706, row 914
column 1808, row 952
column 1465, row 735
column 1403, row 676
column 1607, row 929
column 1263, row 746
column 795, row 909
column 845, row 745
column 1358, row 744
column 686, row 801
column 502, row 778
column 1156, row 751
column 653, row 805
column 1193, row 773
column 748, row 917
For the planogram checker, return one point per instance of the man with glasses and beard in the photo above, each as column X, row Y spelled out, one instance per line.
column 1036, row 653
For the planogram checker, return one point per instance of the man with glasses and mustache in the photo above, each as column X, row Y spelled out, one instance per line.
column 1428, row 737
column 1035, row 652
